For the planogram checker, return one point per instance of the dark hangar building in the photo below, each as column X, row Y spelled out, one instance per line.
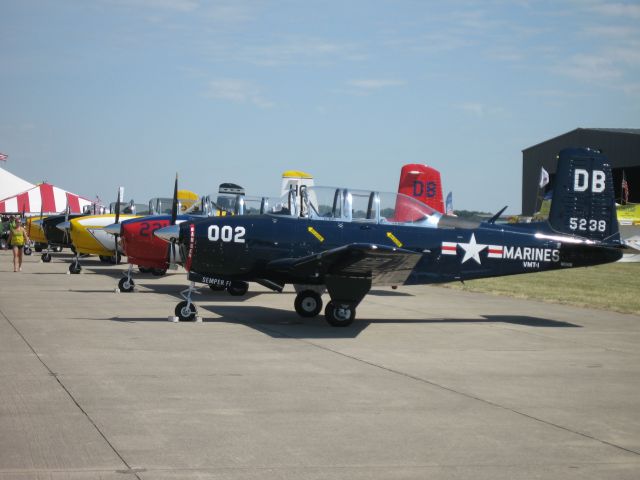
column 620, row 145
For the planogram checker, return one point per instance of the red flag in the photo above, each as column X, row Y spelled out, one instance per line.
column 625, row 189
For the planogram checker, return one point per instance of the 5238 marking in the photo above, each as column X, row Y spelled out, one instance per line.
column 226, row 233
column 584, row 225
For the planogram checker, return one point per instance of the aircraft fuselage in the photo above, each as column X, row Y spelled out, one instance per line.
column 237, row 248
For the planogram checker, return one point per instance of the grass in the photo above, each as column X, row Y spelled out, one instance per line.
column 614, row 287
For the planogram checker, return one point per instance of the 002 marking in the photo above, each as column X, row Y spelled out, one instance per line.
column 226, row 233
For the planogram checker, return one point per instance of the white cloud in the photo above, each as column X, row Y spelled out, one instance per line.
column 366, row 86
column 231, row 12
column 177, row 5
column 476, row 109
column 375, row 83
column 291, row 51
column 628, row 10
column 238, row 91
column 479, row 110
column 590, row 68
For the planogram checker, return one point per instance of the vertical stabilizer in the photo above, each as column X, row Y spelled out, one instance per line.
column 294, row 179
column 422, row 183
column 583, row 196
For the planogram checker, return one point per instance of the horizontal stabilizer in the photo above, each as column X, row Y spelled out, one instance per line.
column 383, row 264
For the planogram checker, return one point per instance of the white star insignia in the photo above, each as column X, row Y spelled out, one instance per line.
column 472, row 249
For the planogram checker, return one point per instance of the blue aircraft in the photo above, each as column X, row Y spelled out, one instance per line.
column 344, row 242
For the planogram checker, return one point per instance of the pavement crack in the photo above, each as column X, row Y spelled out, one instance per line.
column 457, row 392
column 55, row 375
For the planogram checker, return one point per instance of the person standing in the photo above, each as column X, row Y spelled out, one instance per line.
column 17, row 239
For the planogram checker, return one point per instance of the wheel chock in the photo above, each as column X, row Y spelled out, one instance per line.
column 173, row 319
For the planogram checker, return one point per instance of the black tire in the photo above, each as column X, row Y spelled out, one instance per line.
column 342, row 316
column 126, row 285
column 308, row 304
column 75, row 268
column 238, row 289
column 3, row 244
column 38, row 248
column 217, row 288
column 104, row 259
column 27, row 250
column 144, row 269
column 185, row 311
column 46, row 257
column 158, row 272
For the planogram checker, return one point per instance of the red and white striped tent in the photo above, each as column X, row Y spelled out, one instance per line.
column 43, row 198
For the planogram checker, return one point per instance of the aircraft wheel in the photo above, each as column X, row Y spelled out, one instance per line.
column 38, row 248
column 46, row 257
column 217, row 288
column 339, row 316
column 308, row 304
column 104, row 259
column 3, row 244
column 238, row 289
column 27, row 250
column 126, row 285
column 144, row 269
column 158, row 272
column 75, row 268
column 185, row 311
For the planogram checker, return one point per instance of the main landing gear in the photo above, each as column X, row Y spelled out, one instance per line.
column 308, row 303
column 346, row 294
column 236, row 289
column 340, row 315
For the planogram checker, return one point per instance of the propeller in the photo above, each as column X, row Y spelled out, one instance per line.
column 174, row 216
column 65, row 226
column 116, row 235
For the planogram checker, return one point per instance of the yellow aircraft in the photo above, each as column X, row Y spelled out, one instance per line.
column 35, row 232
column 629, row 214
column 89, row 237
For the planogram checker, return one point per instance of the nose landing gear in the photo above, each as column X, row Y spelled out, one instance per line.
column 186, row 311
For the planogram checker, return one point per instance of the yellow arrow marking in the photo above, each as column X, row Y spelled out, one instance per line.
column 313, row 232
column 394, row 239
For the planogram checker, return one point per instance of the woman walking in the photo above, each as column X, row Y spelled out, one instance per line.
column 17, row 239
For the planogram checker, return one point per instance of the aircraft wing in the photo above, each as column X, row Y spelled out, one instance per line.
column 384, row 265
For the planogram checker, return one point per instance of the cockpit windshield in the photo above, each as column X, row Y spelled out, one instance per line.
column 229, row 204
column 130, row 208
column 161, row 206
column 329, row 203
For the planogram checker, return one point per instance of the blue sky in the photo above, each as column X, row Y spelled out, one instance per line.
column 96, row 94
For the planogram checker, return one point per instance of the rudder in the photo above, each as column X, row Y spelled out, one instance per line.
column 422, row 183
column 583, row 196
